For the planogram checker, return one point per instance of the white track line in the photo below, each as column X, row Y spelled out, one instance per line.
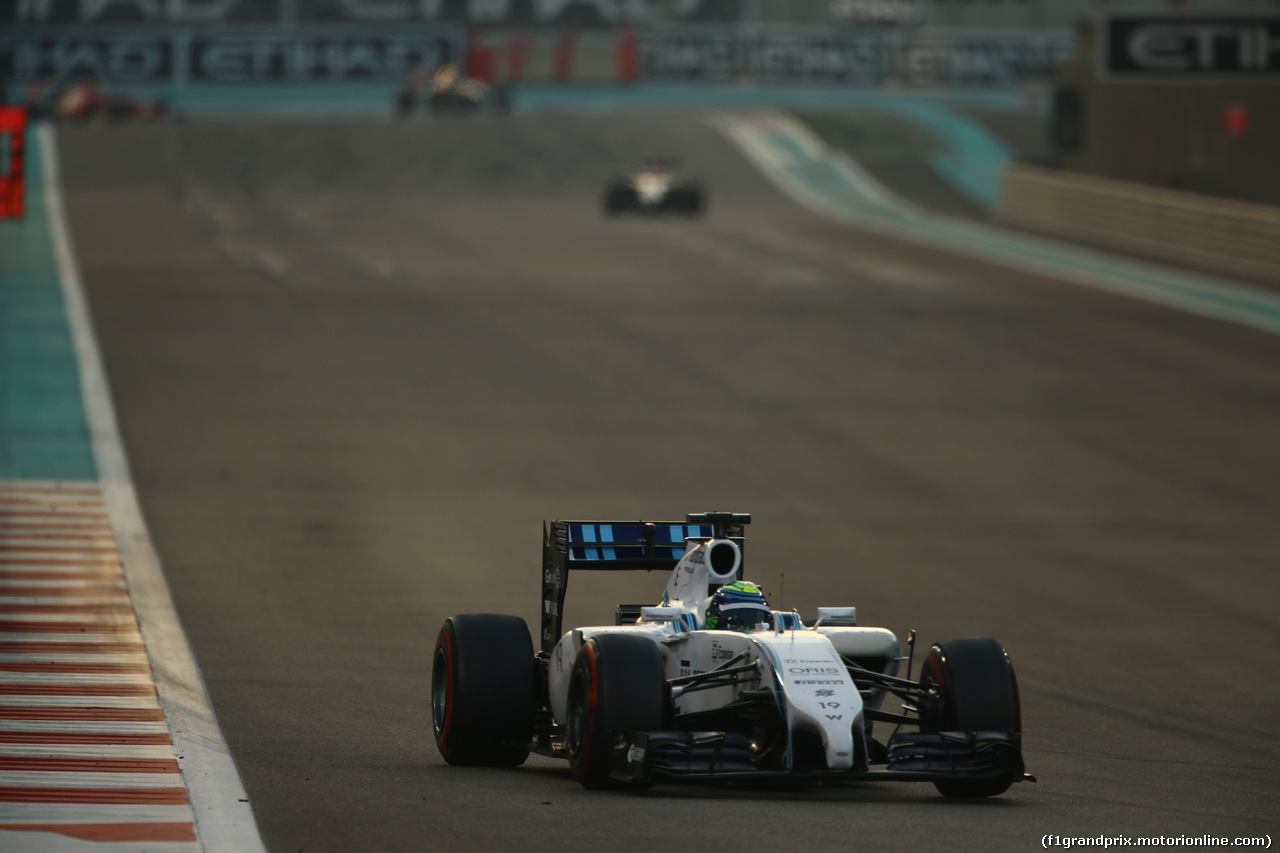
column 223, row 817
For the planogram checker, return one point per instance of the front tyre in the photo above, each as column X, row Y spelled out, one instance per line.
column 483, row 690
column 972, row 688
column 689, row 199
column 618, row 684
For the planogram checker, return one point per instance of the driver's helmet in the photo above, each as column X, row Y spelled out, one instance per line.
column 444, row 78
column 738, row 606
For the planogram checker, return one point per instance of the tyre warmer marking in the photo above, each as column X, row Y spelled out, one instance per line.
column 86, row 754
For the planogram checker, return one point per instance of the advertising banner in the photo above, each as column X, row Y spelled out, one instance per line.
column 787, row 55
column 224, row 55
column 583, row 13
column 13, row 137
column 1190, row 47
column 341, row 53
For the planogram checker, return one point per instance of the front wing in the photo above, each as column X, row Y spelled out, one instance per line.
column 725, row 756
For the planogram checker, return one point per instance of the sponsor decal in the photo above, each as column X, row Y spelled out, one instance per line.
column 687, row 668
column 719, row 652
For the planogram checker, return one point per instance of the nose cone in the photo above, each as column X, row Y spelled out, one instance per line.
column 821, row 696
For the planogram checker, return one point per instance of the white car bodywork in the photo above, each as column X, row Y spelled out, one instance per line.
column 652, row 186
column 803, row 667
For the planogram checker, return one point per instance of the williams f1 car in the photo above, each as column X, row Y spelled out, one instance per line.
column 711, row 685
column 655, row 189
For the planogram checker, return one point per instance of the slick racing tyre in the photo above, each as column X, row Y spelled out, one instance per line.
column 618, row 684
column 974, row 690
column 620, row 197
column 483, row 690
column 686, row 199
column 404, row 104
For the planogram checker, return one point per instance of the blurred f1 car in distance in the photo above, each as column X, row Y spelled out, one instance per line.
column 447, row 92
column 655, row 189
column 712, row 685
column 86, row 100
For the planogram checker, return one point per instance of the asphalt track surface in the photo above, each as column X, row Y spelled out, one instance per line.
column 356, row 364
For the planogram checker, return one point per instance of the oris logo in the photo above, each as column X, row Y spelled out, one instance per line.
column 1190, row 45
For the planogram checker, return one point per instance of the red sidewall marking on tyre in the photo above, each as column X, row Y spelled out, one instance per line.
column 447, row 725
column 593, row 705
column 936, row 665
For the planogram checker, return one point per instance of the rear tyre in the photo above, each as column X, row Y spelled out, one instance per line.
column 689, row 199
column 404, row 104
column 974, row 690
column 483, row 690
column 618, row 684
column 619, row 197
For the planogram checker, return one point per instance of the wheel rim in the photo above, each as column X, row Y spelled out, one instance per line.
column 577, row 721
column 937, row 712
column 441, row 693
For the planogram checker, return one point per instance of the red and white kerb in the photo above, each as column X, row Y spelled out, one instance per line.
column 86, row 757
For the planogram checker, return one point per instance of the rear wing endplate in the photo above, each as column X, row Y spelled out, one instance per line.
column 618, row 546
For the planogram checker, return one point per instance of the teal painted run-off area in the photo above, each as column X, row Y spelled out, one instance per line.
column 44, row 434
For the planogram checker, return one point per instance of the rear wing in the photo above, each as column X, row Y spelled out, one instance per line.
column 618, row 546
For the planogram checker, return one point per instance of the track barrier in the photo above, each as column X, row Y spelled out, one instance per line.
column 1222, row 235
column 13, row 135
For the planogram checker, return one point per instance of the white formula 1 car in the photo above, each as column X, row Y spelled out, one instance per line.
column 655, row 189
column 448, row 92
column 711, row 685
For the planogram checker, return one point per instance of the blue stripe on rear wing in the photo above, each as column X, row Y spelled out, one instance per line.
column 605, row 542
column 618, row 546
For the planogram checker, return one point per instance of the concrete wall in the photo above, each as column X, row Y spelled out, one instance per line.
column 1173, row 134
column 1228, row 237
